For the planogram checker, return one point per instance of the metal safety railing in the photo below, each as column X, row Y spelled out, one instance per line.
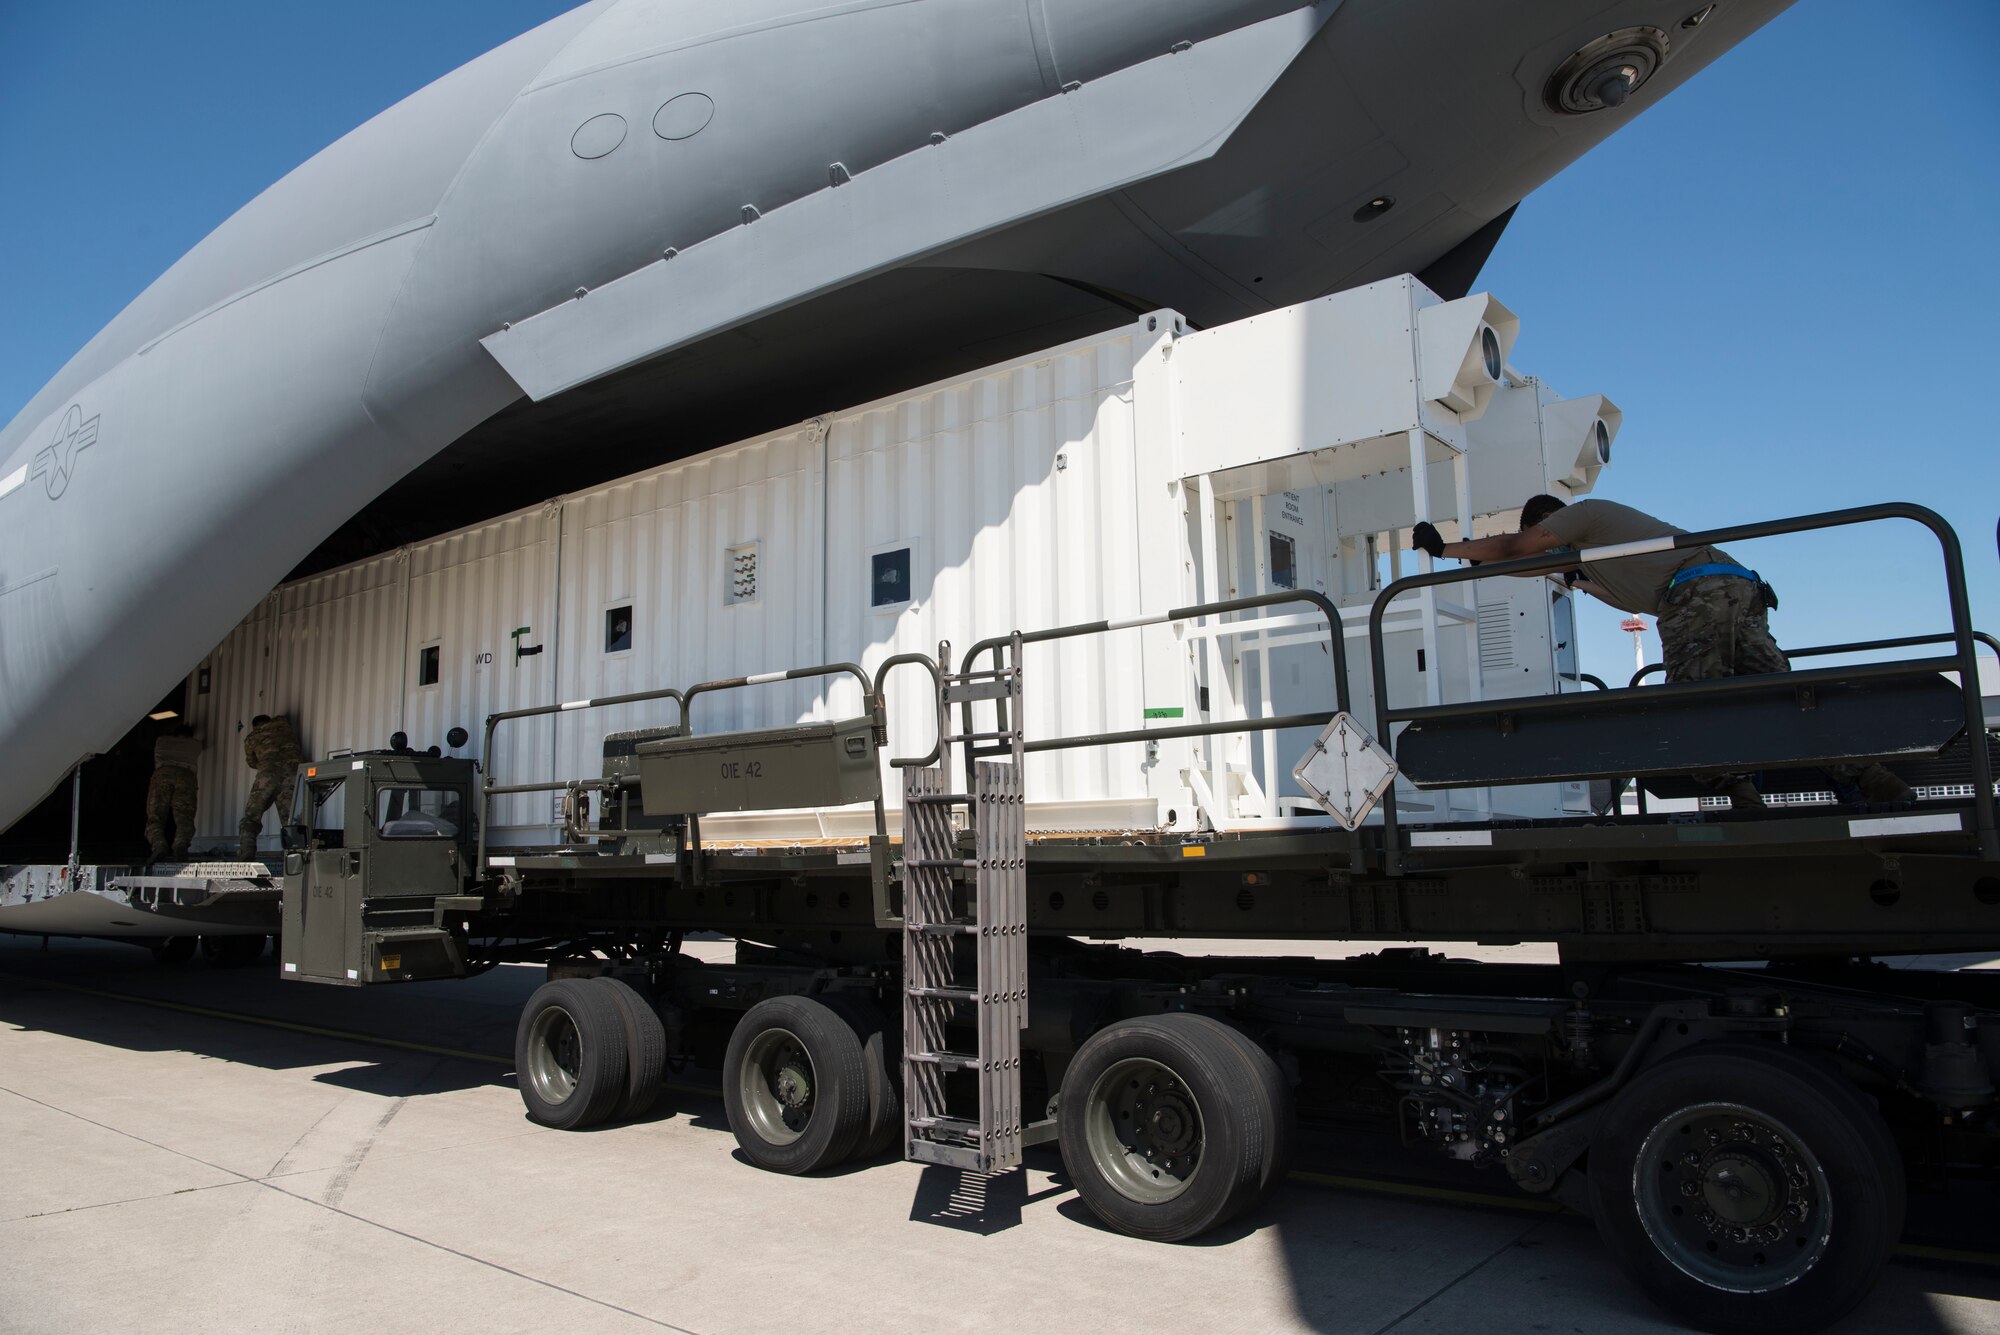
column 876, row 695
column 767, row 678
column 1829, row 650
column 1964, row 659
column 491, row 789
column 1015, row 643
column 994, row 645
column 682, row 699
column 937, row 667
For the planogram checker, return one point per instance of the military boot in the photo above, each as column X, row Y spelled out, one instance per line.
column 1879, row 785
column 1743, row 796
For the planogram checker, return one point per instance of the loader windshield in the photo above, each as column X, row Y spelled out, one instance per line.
column 418, row 813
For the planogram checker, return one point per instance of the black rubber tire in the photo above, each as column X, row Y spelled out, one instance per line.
column 837, row 1077
column 176, row 949
column 585, row 1040
column 645, row 1047
column 1229, row 1097
column 881, row 1051
column 1280, row 1113
column 1827, row 1116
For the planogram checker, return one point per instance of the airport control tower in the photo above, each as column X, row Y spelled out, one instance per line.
column 1638, row 628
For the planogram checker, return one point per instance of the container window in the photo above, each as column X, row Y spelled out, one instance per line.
column 889, row 577
column 739, row 572
column 326, row 813
column 1284, row 561
column 617, row 630
column 427, row 665
column 418, row 813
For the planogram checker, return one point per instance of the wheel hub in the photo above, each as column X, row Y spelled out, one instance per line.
column 777, row 1087
column 1749, row 1186
column 555, row 1055
column 1738, row 1190
column 1733, row 1198
column 1144, row 1130
column 793, row 1087
column 1168, row 1122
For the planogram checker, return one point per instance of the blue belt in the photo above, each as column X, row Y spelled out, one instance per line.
column 1687, row 573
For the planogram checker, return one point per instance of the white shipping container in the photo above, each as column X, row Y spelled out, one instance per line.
column 1115, row 477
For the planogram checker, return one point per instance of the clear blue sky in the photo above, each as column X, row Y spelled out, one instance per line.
column 1786, row 273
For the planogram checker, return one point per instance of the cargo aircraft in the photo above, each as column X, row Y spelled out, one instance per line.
column 648, row 227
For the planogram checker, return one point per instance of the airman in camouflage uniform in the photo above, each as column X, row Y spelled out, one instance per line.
column 271, row 748
column 1712, row 611
column 170, row 794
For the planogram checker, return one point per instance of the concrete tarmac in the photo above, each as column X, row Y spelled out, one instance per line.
column 188, row 1148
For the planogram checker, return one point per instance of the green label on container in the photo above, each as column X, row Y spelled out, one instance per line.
column 1173, row 711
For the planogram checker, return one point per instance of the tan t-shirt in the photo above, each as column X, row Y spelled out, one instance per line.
column 1634, row 583
column 183, row 751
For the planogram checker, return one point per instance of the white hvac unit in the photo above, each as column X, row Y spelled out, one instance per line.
column 1532, row 441
column 1462, row 349
column 1582, row 431
column 1338, row 388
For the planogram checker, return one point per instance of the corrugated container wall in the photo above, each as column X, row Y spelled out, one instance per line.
column 1014, row 495
column 717, row 562
column 1013, row 498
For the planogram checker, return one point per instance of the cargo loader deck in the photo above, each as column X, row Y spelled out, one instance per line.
column 1792, row 883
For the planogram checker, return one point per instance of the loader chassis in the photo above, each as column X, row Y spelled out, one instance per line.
column 1527, row 1071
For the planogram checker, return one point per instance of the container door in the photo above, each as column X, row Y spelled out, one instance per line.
column 1288, row 671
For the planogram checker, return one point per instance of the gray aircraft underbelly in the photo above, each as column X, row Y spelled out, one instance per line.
column 644, row 180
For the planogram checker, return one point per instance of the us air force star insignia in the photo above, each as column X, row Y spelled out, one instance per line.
column 56, row 461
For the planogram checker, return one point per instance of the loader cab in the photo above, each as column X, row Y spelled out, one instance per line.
column 319, row 809
column 381, row 848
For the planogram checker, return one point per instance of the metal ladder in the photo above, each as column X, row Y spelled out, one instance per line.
column 934, row 995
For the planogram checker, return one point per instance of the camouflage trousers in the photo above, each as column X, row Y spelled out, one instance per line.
column 170, row 798
column 1717, row 627
column 271, row 786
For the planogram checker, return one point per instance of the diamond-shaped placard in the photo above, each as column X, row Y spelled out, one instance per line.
column 1346, row 771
